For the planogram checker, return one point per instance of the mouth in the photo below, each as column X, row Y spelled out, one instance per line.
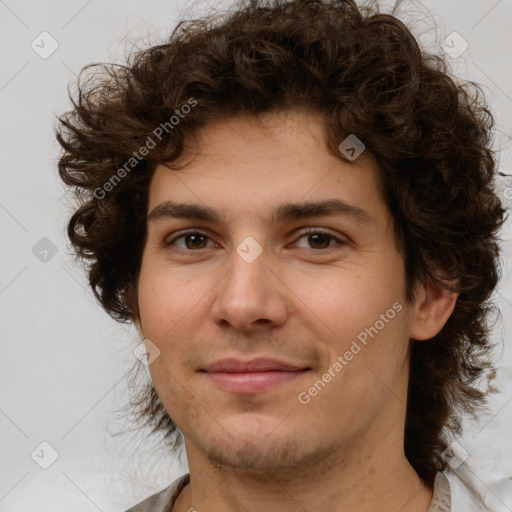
column 254, row 376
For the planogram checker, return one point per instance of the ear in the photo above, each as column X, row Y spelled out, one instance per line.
column 432, row 307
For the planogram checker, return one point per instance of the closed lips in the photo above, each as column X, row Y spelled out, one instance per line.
column 231, row 365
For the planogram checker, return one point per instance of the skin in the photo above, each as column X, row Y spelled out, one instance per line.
column 304, row 299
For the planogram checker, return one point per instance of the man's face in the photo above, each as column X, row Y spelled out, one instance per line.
column 328, row 287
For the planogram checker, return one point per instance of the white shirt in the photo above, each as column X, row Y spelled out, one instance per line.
column 450, row 495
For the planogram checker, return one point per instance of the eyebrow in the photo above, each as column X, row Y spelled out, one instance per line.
column 285, row 211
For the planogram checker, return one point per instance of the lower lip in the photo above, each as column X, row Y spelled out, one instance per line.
column 252, row 382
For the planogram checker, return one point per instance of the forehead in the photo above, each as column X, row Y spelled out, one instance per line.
column 242, row 162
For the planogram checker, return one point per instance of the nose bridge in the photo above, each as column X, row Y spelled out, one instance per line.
column 248, row 262
column 249, row 292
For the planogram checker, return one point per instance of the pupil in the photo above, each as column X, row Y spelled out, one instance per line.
column 193, row 239
column 317, row 239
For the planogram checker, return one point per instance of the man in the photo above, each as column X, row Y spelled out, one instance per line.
column 296, row 209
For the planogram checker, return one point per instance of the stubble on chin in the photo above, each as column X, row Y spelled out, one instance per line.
column 262, row 461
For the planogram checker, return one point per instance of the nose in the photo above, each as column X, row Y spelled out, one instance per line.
column 250, row 296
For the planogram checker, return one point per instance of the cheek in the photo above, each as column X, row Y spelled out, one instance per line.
column 364, row 317
column 168, row 299
column 346, row 301
column 365, row 320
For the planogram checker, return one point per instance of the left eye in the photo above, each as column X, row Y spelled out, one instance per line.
column 319, row 240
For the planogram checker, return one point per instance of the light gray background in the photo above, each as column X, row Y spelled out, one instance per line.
column 63, row 362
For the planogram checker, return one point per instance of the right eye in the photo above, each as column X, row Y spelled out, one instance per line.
column 189, row 241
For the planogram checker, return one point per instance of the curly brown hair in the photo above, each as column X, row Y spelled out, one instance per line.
column 366, row 74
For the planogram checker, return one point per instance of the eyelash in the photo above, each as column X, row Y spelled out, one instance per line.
column 309, row 231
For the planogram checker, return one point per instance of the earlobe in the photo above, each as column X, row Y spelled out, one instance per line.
column 433, row 306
